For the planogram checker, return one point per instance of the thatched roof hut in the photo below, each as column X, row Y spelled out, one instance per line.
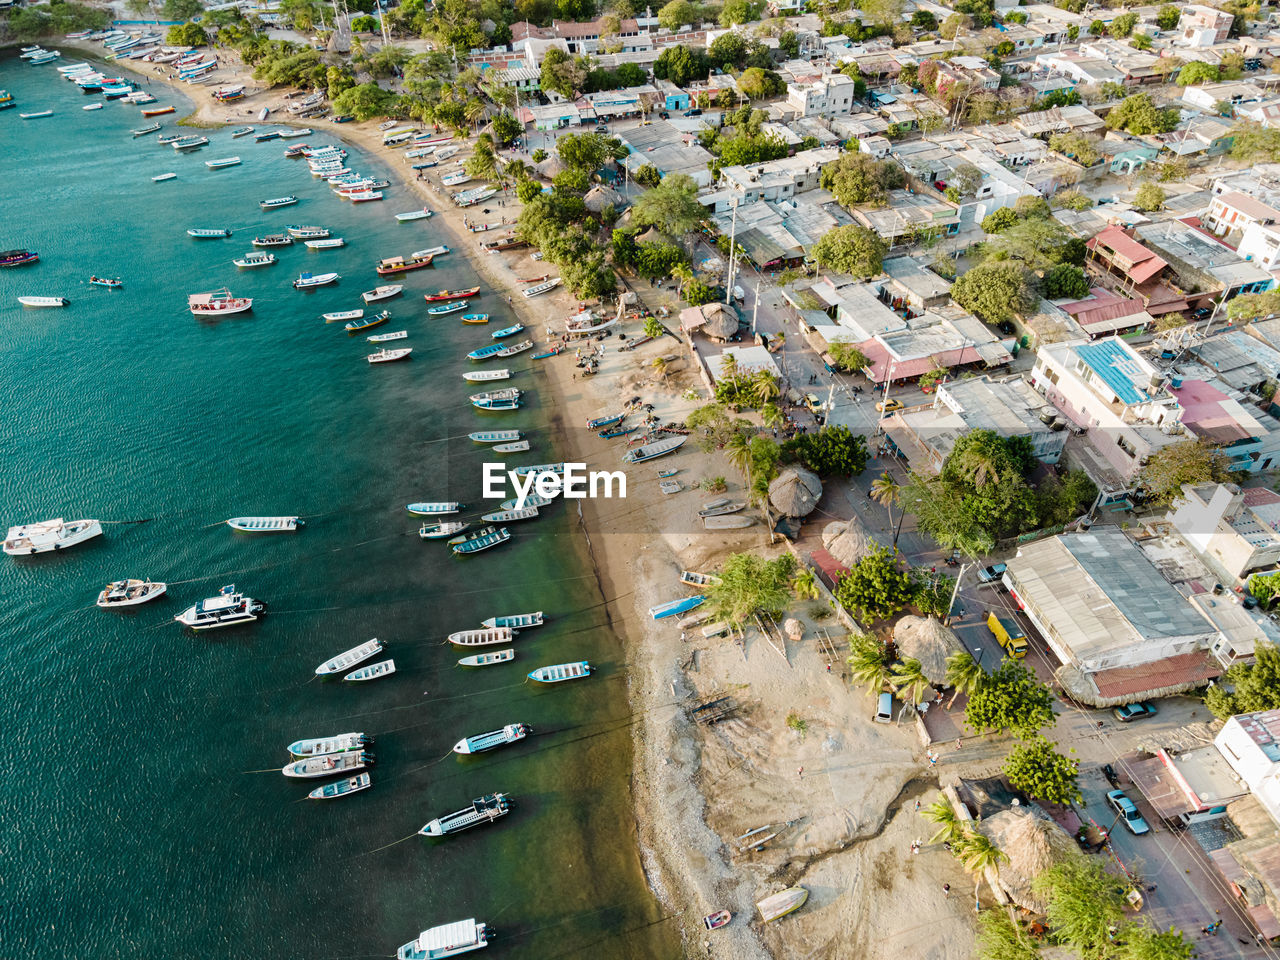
column 1033, row 843
column 927, row 640
column 795, row 492
column 793, row 628
column 549, row 167
column 599, row 197
column 848, row 540
column 722, row 321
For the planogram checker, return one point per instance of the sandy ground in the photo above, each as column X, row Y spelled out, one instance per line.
column 841, row 796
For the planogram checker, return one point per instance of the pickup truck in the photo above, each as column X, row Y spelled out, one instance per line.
column 1010, row 636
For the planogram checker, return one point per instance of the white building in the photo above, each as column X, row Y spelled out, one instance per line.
column 830, row 96
column 1233, row 530
column 1250, row 742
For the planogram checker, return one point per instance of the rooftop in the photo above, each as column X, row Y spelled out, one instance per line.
column 1118, row 367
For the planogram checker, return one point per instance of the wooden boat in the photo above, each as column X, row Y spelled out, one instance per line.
column 273, row 240
column 532, row 500
column 338, row 316
column 392, row 265
column 480, row 376
column 223, row 162
column 780, row 904
column 143, row 131
column 533, row 279
column 438, row 531
column 92, row 106
column 482, row 539
column 719, row 508
column 651, row 451
column 663, row 474
column 507, row 331
column 292, row 134
column 277, row 202
column 512, row 350
column 320, row 746
column 255, row 259
column 330, row 765
column 726, row 523
column 447, row 308
column 382, row 293
column 511, row 733
column 452, row 294
column 541, row 288
column 190, row 143
column 364, row 196
column 495, row 436
column 436, row 251
column 435, row 509
column 447, row 940
column 482, row 638
column 307, row 232
column 520, row 446
column 383, row 668
column 554, row 351
column 218, row 303
column 487, row 659
column 606, row 421
column 517, row 621
column 342, row 788
column 268, row 135
column 350, row 658
column 296, row 151
column 111, row 283
column 714, row 921
column 507, row 393
column 307, row 280
column 509, row 516
column 560, row 672
column 674, row 608
column 227, row 609
column 208, row 233
column 265, row 524
column 239, row 132
column 129, row 593
column 330, row 243
column 501, row 244
column 617, row 432
column 413, row 215
column 455, row 179
column 387, row 337
column 692, row 579
column 157, row 111
column 390, row 356
column 484, row 353
column 497, row 405
column 482, row 810
column 585, row 324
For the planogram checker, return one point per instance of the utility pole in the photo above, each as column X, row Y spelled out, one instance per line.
column 733, row 234
column 755, row 310
column 956, row 590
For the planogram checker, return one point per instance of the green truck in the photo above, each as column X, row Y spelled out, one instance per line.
column 1010, row 635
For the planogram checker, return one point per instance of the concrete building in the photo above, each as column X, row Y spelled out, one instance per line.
column 914, row 286
column 779, row 179
column 1232, row 211
column 667, row 149
column 1233, row 531
column 829, row 96
column 673, row 98
column 1250, row 742
column 909, row 216
column 1201, row 26
column 1201, row 263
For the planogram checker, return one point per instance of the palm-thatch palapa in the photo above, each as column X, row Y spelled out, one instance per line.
column 794, row 629
column 927, row 640
column 722, row 321
column 795, row 492
column 848, row 540
column 1033, row 843
column 599, row 197
column 550, row 167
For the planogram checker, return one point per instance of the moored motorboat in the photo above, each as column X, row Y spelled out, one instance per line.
column 320, row 746
column 218, row 303
column 532, row 500
column 265, row 524
column 560, row 672
column 372, row 671
column 49, row 535
column 329, row 765
column 273, row 240
column 111, row 283
column 517, row 621
column 363, row 323
column 447, row 940
column 188, row 143
column 512, row 349
column 495, row 436
column 487, row 659
column 487, row 637
column 143, row 131
column 307, row 281
column 228, row 609
column 480, row 376
column 382, row 293
column 452, row 294
column 350, row 658
column 129, row 593
column 223, row 162
column 339, row 316
column 482, row 742
column 510, row 516
column 390, row 356
column 277, row 202
column 438, row 531
column 780, row 904
column 92, row 106
column 255, row 259
column 434, row 508
column 495, row 396
column 520, row 446
column 208, row 233
column 447, row 308
column 43, row 301
column 422, row 214
column 507, row 331
column 482, row 810
column 328, row 243
column 18, row 258
column 482, row 539
column 342, row 788
column 239, row 132
column 475, row 318
column 307, row 232
column 386, row 337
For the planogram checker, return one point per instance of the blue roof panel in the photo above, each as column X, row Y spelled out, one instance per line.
column 1115, row 367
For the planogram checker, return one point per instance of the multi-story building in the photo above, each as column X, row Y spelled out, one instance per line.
column 829, row 96
column 1235, row 531
column 1201, row 26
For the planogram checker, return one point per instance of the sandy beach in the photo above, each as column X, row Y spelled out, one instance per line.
column 840, row 794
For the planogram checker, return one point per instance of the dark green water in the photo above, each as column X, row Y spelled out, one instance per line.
column 135, row 816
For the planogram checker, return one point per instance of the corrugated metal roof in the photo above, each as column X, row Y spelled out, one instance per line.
column 1115, row 367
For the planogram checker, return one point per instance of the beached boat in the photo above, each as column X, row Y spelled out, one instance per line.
column 507, row 331
column 447, row 940
column 307, row 232
column 363, row 323
column 209, row 233
column 517, row 621
column 129, row 593
column 228, row 609
column 584, row 324
column 447, row 308
column 541, row 288
column 382, row 293
column 239, row 132
column 781, row 904
column 309, row 280
column 265, row 524
column 512, row 349
column 714, row 921
column 605, row 421
column 455, row 179
column 434, row 508
column 726, row 523
column 511, row 733
column 506, row 393
column 651, row 451
column 616, row 432
column 273, row 240
column 350, row 658
column 391, row 265
column 554, row 351
column 452, row 294
column 329, row 243
column 482, row 638
column 560, row 672
column 343, row 788
column 692, row 579
column 438, row 531
column 487, row 659
column 320, row 746
column 372, row 671
column 388, row 337
column 474, row 318
column 480, row 376
column 43, row 301
column 422, row 214
column 339, row 316
column 520, row 446
column 469, row 198
column 223, row 162
column 482, row 539
column 532, row 500
column 255, row 259
column 484, row 809
column 495, row 436
column 143, row 131
column 330, row 765
column 277, row 202
column 390, row 356
column 218, row 303
column 673, row 608
column 502, row 244
column 509, row 516
column 717, row 508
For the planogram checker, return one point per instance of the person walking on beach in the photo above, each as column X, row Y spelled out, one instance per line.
column 946, row 891
column 800, row 773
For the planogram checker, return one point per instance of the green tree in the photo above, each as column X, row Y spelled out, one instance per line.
column 182, row 9
column 964, row 674
column 749, row 583
column 507, row 129
column 887, row 492
column 647, row 176
column 538, row 155
column 655, row 260
column 758, row 84
column 672, row 206
column 789, row 44
column 1248, row 687
column 680, row 65
column 1065, row 281
column 857, row 179
column 909, row 676
column 1197, row 71
column 365, row 102
column 942, row 815
column 526, row 190
column 1038, row 770
column 994, row 291
column 977, row 852
column 1145, row 942
column 728, row 48
column 1002, row 937
column 1149, row 197
column 931, row 592
column 746, row 147
column 1122, row 25
column 561, row 73
column 1085, row 904
column 1167, row 16
column 831, row 451
column 365, row 24
column 1254, row 306
column 1140, row 41
column 677, row 14
column 868, row 662
column 187, row 35
column 1138, row 115
column 876, row 587
column 1010, row 698
column 852, row 249
column 588, row 152
column 997, row 221
column 848, row 357
column 924, row 20
column 1190, row 461
column 1082, row 149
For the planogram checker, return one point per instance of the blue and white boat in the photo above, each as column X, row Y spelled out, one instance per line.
column 448, row 940
column 651, row 451
column 676, row 607
column 507, row 331
column 517, row 621
column 484, row 353
column 495, row 436
column 331, row 791
column 605, row 421
column 435, row 509
column 511, row 733
column 482, row 810
column 560, row 672
column 482, row 539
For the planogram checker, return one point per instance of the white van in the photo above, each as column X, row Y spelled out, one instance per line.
column 884, row 708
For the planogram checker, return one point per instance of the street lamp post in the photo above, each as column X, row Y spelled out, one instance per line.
column 733, row 235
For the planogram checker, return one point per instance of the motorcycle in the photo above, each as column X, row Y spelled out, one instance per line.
column 1109, row 772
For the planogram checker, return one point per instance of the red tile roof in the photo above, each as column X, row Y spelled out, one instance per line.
column 830, row 567
column 1197, row 667
column 1146, row 264
column 1259, row 497
column 874, row 351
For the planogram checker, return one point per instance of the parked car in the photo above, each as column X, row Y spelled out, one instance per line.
column 695, row 112
column 884, row 708
column 662, row 114
column 813, row 402
column 991, row 574
column 1128, row 812
column 888, row 406
column 1134, row 711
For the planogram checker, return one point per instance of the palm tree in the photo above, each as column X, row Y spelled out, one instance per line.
column 683, row 273
column 805, row 585
column 660, row 365
column 738, row 451
column 867, row 662
column 518, row 170
column 943, row 815
column 771, row 416
column 474, row 110
column 909, row 675
column 977, row 853
column 886, row 491
column 764, row 386
column 964, row 673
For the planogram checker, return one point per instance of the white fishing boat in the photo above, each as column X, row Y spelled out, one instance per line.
column 487, row 659
column 422, row 214
column 434, row 508
column 129, row 593
column 720, row 508
column 307, row 232
column 726, row 523
column 227, row 609
column 482, row 810
column 341, row 316
column 383, row 668
column 307, row 281
column 36, row 115
column 390, row 356
column 208, row 233
column 585, row 323
column 781, row 904
column 541, row 288
column 331, row 243
column 455, row 179
column 224, row 162
column 43, row 301
column 487, row 637
column 520, row 446
column 692, row 579
column 350, row 658
column 438, row 531
column 219, row 303
column 486, row 538
column 498, row 396
column 277, row 202
column 517, row 621
column 387, row 337
column 479, row 376
column 447, row 940
column 512, row 350
column 532, row 500
column 438, row 251
column 330, row 765
column 382, row 293
column 560, row 672
column 320, row 746
column 92, row 106
column 49, row 535
column 265, row 524
column 331, row 791
column 651, row 451
column 495, row 436
column 255, row 258
column 511, row 733
column 510, row 516
column 444, row 153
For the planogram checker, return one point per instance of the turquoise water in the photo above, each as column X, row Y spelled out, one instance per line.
column 141, row 811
